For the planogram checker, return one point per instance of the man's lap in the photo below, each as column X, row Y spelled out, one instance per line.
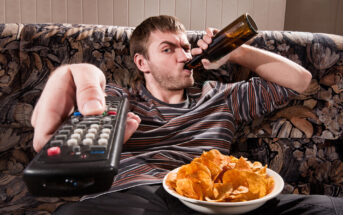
column 152, row 199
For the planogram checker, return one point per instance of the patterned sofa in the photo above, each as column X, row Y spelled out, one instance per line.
column 302, row 141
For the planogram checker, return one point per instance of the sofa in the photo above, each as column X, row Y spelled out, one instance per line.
column 301, row 141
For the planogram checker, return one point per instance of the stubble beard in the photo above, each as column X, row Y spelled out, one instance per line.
column 173, row 83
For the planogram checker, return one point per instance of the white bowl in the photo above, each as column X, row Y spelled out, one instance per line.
column 228, row 207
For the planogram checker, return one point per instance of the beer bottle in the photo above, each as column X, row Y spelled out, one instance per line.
column 226, row 40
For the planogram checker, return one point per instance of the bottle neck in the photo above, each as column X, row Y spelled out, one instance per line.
column 195, row 63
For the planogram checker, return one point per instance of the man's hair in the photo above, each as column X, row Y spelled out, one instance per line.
column 140, row 36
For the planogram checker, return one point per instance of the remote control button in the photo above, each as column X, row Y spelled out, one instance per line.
column 112, row 109
column 87, row 122
column 66, row 132
column 61, row 137
column 112, row 113
column 108, row 126
column 78, row 131
column 72, row 142
column 92, row 130
column 81, row 126
column 103, row 142
column 74, row 121
column 97, row 149
column 90, row 136
column 76, row 136
column 106, row 131
column 107, row 120
column 76, row 113
column 56, row 143
column 91, row 118
column 54, row 151
column 95, row 126
column 104, row 135
column 87, row 142
column 67, row 127
column 90, row 121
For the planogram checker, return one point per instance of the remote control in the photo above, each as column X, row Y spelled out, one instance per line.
column 82, row 157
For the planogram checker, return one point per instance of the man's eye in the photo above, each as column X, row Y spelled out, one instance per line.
column 167, row 50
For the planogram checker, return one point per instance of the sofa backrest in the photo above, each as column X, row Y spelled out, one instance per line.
column 30, row 52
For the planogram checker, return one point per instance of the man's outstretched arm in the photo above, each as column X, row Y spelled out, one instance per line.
column 81, row 84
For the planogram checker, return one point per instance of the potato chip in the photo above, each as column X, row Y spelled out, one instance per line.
column 199, row 176
column 242, row 164
column 235, row 178
column 171, row 179
column 270, row 184
column 221, row 191
column 188, row 188
column 219, row 178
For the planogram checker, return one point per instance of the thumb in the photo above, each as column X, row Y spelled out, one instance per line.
column 90, row 85
column 91, row 100
column 215, row 64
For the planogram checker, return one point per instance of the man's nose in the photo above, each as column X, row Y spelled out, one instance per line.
column 184, row 55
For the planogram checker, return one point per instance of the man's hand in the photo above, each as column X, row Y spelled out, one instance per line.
column 83, row 84
column 203, row 45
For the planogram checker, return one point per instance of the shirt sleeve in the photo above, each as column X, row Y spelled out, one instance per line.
column 257, row 97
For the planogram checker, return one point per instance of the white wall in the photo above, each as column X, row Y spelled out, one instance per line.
column 195, row 14
column 324, row 16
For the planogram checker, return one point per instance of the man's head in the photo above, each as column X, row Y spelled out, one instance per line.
column 160, row 48
column 140, row 36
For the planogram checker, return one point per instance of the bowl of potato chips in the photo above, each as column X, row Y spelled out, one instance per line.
column 218, row 184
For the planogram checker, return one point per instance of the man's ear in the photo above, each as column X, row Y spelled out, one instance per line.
column 141, row 63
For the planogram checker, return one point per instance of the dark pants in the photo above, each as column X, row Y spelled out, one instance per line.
column 154, row 200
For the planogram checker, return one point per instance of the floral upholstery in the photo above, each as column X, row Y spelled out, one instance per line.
column 310, row 161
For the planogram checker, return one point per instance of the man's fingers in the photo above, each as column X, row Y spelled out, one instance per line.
column 196, row 51
column 34, row 115
column 202, row 44
column 211, row 32
column 46, row 124
column 207, row 39
column 132, row 123
column 49, row 113
column 54, row 105
column 90, row 84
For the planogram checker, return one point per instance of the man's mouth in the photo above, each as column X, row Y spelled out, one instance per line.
column 187, row 71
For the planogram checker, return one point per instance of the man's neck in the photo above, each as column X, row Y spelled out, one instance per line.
column 165, row 95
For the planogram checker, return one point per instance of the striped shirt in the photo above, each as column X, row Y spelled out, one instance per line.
column 171, row 135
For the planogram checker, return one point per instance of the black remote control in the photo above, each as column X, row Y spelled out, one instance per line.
column 83, row 155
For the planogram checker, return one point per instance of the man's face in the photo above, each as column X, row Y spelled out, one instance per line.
column 168, row 52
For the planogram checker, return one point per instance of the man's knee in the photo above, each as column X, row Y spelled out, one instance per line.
column 312, row 204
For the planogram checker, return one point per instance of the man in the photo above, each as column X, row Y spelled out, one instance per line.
column 171, row 121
